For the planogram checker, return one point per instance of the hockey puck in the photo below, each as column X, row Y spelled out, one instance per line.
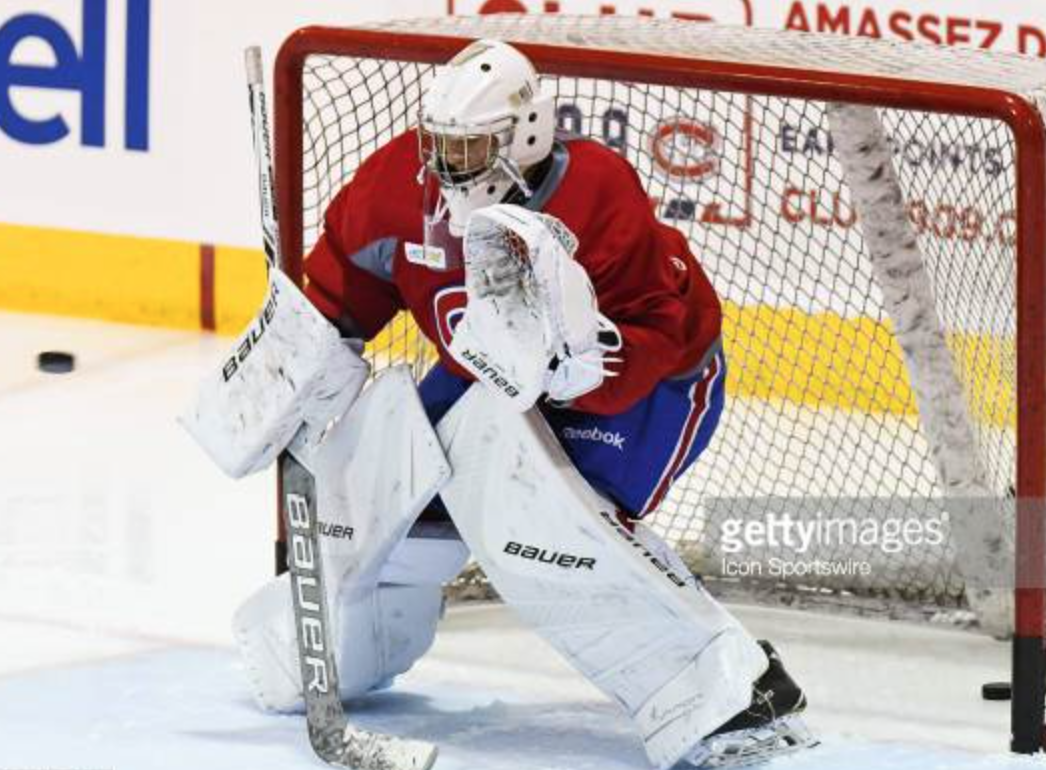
column 997, row 691
column 55, row 362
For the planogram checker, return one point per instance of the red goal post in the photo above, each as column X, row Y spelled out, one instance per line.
column 967, row 91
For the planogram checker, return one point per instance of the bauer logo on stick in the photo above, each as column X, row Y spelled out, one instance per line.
column 306, row 592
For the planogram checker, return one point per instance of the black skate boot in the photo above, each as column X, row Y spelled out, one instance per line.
column 769, row 727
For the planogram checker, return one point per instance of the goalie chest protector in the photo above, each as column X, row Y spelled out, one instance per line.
column 373, row 261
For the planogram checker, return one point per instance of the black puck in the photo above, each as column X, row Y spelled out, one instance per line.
column 55, row 362
column 996, row 691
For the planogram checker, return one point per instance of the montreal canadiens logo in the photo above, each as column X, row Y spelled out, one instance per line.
column 686, row 148
column 449, row 308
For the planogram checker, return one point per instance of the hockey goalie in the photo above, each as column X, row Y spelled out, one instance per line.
column 580, row 372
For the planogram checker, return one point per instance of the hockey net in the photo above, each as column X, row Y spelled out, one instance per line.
column 733, row 135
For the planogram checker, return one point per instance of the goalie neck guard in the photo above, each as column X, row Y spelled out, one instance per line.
column 484, row 120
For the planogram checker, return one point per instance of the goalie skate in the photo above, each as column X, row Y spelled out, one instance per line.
column 768, row 728
column 751, row 746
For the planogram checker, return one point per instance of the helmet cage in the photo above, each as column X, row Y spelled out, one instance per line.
column 461, row 156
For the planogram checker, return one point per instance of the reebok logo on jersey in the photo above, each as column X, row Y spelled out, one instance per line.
column 615, row 439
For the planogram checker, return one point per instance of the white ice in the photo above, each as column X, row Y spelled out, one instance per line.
column 123, row 554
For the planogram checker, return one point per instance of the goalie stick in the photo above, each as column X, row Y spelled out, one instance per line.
column 332, row 737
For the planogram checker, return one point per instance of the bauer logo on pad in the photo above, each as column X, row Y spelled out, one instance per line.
column 428, row 256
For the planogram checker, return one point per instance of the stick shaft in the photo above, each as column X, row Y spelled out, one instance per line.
column 263, row 157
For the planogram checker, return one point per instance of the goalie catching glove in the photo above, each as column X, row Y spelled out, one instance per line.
column 532, row 325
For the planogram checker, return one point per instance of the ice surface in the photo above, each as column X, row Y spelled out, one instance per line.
column 178, row 708
column 123, row 554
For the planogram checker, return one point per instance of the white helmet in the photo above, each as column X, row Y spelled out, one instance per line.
column 484, row 118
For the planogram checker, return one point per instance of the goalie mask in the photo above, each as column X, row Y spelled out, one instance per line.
column 484, row 119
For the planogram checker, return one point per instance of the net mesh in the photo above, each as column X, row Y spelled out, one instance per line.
column 819, row 402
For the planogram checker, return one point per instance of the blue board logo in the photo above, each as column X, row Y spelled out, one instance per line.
column 79, row 69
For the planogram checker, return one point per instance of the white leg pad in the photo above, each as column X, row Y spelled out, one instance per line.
column 381, row 633
column 375, row 471
column 619, row 607
column 430, row 556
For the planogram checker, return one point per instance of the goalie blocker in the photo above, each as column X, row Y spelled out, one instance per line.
column 290, row 369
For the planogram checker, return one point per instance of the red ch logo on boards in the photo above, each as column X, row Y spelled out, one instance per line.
column 686, row 148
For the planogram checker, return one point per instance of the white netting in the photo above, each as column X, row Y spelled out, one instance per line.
column 819, row 403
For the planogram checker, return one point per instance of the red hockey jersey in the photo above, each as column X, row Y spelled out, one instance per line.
column 370, row 263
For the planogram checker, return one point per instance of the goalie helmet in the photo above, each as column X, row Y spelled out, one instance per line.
column 484, row 119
